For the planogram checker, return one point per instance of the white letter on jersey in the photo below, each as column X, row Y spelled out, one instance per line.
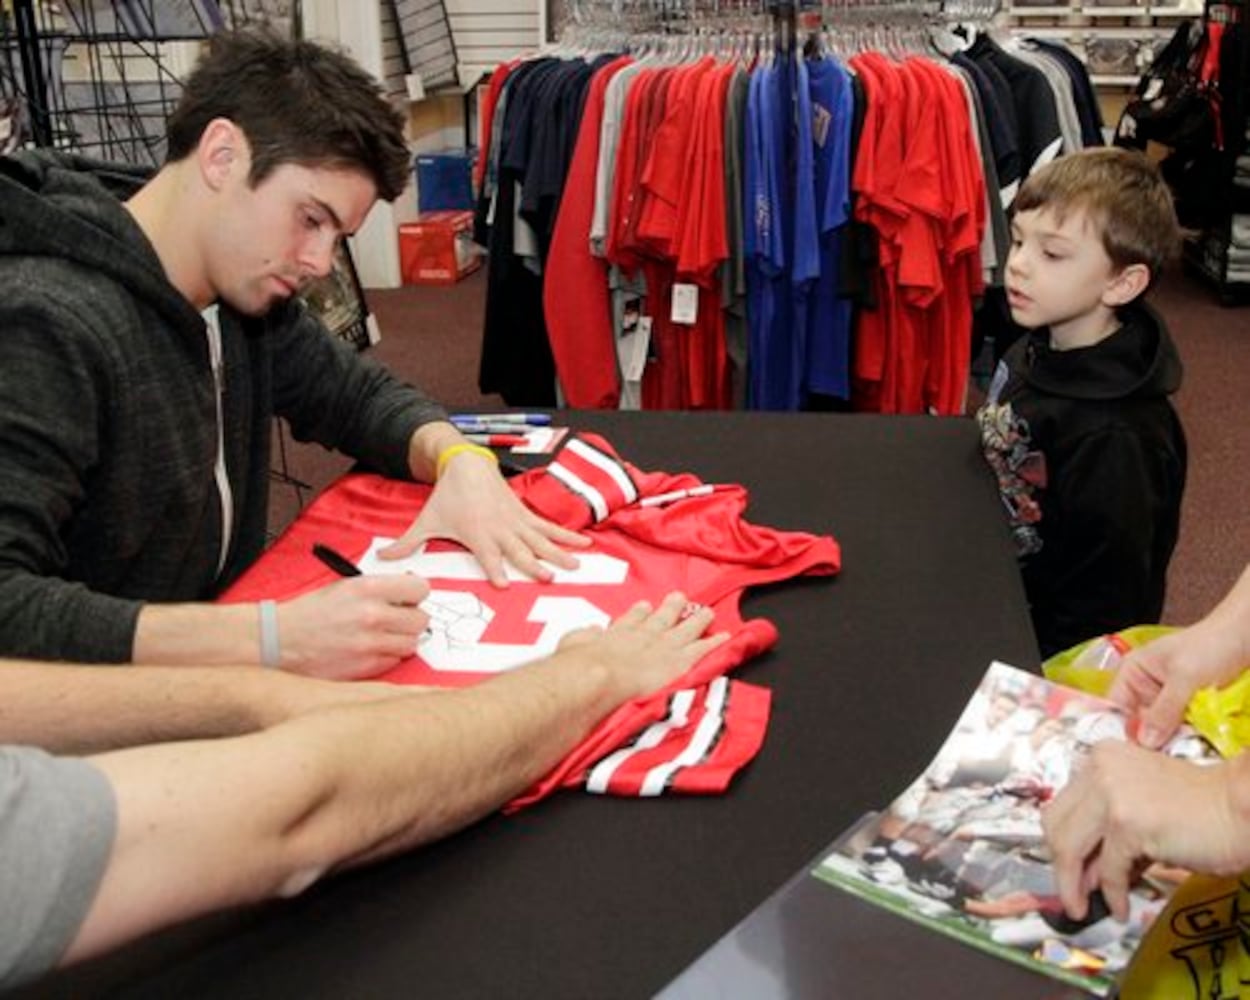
column 458, row 621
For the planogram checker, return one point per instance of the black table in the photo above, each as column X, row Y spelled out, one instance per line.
column 590, row 897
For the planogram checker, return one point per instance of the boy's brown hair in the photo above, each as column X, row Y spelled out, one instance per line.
column 1124, row 196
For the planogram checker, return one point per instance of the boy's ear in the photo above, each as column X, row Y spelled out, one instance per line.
column 1125, row 286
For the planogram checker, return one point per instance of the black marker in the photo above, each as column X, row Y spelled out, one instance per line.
column 336, row 561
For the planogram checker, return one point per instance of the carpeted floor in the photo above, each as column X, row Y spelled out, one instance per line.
column 433, row 335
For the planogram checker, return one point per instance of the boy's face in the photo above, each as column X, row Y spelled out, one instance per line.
column 1059, row 275
column 271, row 240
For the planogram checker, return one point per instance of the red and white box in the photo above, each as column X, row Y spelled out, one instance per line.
column 438, row 248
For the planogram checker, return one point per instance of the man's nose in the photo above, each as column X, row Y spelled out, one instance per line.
column 317, row 258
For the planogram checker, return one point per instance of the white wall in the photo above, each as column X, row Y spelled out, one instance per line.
column 486, row 32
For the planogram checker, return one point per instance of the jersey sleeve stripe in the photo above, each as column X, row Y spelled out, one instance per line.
column 705, row 736
column 600, row 775
column 583, row 489
column 609, row 465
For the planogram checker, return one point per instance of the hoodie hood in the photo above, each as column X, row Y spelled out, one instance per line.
column 69, row 207
column 1139, row 360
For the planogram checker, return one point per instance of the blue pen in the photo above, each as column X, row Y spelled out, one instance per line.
column 493, row 427
column 533, row 419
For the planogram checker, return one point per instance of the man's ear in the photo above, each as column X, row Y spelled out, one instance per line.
column 221, row 150
column 1125, row 286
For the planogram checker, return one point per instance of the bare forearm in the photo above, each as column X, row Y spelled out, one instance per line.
column 1233, row 611
column 326, row 790
column 204, row 634
column 476, row 750
column 74, row 709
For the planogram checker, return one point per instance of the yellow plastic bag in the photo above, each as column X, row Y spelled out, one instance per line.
column 1194, row 950
column 1222, row 715
column 1091, row 666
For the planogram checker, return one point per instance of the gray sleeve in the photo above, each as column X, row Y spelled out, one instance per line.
column 54, row 380
column 332, row 394
column 58, row 820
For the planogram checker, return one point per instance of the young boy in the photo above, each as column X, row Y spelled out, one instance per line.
column 1089, row 453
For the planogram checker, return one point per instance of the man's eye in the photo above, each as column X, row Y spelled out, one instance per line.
column 311, row 221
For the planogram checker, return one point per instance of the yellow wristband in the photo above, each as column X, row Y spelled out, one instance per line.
column 447, row 454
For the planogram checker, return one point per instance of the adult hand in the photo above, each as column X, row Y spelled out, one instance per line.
column 1157, row 680
column 645, row 648
column 472, row 504
column 1128, row 804
column 353, row 628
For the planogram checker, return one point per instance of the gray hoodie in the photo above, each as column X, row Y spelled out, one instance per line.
column 108, row 416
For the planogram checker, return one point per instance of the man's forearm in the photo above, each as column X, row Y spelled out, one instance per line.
column 475, row 750
column 330, row 789
column 73, row 709
column 206, row 634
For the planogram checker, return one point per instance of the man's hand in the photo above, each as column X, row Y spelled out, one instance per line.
column 1157, row 680
column 646, row 649
column 1127, row 805
column 353, row 628
column 472, row 504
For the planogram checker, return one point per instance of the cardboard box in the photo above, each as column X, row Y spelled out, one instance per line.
column 444, row 180
column 438, row 248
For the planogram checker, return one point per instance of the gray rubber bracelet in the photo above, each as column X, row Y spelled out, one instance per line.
column 270, row 646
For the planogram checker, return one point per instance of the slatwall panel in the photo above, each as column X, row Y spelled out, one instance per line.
column 427, row 36
column 392, row 54
column 490, row 31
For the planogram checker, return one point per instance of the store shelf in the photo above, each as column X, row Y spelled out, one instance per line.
column 1112, row 80
column 1063, row 10
column 1080, row 24
column 1205, row 255
column 1056, row 33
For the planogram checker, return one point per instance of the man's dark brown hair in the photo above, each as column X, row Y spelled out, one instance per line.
column 296, row 102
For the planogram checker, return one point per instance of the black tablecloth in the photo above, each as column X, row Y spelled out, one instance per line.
column 590, row 897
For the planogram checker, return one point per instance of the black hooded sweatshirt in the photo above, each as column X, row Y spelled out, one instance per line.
column 1090, row 458
column 108, row 416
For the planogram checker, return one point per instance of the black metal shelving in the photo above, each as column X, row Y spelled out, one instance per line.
column 100, row 76
column 1208, row 252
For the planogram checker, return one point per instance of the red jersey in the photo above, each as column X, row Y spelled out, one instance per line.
column 651, row 532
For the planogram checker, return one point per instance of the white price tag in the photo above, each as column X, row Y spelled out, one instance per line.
column 685, row 303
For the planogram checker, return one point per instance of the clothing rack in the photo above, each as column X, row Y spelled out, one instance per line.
column 633, row 25
column 636, row 295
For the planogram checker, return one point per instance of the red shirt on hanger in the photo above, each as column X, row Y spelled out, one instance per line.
column 576, row 300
